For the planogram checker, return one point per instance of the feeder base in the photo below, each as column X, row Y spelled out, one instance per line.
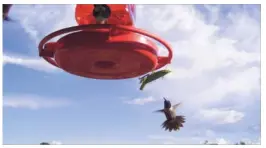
column 104, row 60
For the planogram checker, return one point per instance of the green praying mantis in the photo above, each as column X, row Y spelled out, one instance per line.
column 152, row 77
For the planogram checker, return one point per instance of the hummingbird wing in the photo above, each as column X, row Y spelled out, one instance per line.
column 159, row 111
column 142, row 79
column 176, row 105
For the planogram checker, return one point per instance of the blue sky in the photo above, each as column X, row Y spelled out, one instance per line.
column 216, row 75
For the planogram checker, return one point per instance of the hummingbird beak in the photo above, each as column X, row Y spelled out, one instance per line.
column 164, row 99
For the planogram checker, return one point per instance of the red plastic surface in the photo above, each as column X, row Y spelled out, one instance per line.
column 104, row 51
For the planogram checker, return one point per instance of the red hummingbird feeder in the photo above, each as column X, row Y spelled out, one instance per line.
column 104, row 45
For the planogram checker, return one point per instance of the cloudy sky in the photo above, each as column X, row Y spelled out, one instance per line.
column 216, row 76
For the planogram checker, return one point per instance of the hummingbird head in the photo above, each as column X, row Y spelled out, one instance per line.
column 167, row 103
column 101, row 12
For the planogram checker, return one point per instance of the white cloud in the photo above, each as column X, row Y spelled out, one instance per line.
column 242, row 83
column 35, row 19
column 249, row 141
column 33, row 102
column 163, row 139
column 219, row 141
column 222, row 141
column 211, row 61
column 141, row 101
column 29, row 62
column 56, row 142
column 216, row 64
column 220, row 116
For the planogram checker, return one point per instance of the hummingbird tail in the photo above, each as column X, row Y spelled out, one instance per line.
column 142, row 86
column 174, row 124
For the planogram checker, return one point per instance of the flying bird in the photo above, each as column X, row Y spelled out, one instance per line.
column 172, row 122
column 152, row 77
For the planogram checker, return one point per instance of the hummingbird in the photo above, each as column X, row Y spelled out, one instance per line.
column 101, row 13
column 152, row 77
column 172, row 121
